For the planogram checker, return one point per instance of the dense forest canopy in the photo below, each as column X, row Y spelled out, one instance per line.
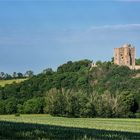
column 76, row 90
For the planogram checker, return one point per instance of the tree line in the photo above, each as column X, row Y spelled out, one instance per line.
column 16, row 75
column 76, row 89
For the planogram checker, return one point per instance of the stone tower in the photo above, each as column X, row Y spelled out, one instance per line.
column 125, row 56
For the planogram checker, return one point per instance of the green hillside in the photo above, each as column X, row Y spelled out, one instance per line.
column 5, row 82
column 76, row 90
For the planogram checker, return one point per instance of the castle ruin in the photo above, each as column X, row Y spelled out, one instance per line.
column 125, row 55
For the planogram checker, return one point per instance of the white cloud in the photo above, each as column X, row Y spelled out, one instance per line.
column 116, row 27
column 72, row 36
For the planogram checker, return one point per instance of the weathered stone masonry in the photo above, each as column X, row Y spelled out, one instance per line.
column 125, row 55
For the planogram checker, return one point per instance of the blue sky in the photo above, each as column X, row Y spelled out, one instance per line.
column 37, row 34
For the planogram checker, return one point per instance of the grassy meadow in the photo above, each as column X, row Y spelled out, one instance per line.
column 48, row 127
column 8, row 82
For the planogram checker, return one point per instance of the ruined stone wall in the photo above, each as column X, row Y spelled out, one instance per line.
column 125, row 56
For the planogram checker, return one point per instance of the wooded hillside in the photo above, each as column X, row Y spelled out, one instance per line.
column 76, row 90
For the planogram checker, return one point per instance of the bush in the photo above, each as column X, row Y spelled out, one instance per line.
column 137, row 114
column 17, row 115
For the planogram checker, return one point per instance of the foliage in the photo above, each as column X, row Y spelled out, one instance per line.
column 16, row 75
column 2, row 107
column 138, row 61
column 55, row 104
column 32, row 106
column 75, row 90
column 10, row 105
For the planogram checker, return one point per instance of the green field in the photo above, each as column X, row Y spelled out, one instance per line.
column 7, row 82
column 46, row 126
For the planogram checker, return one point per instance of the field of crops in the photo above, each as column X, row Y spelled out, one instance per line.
column 48, row 127
column 5, row 82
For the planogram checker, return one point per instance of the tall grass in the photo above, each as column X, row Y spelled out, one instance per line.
column 48, row 127
column 128, row 125
column 13, row 130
